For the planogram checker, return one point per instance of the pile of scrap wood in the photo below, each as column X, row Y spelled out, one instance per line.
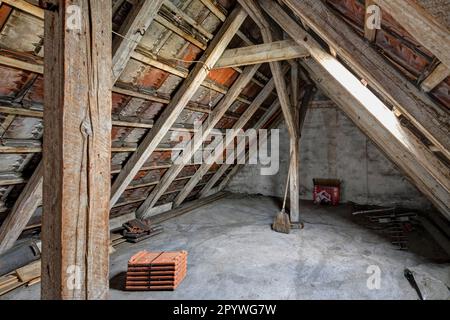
column 395, row 222
column 138, row 230
column 26, row 276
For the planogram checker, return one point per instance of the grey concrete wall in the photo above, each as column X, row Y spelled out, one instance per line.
column 333, row 147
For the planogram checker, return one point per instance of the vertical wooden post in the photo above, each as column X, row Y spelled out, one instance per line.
column 77, row 145
column 294, row 182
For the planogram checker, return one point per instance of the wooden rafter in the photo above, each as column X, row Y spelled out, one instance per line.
column 20, row 215
column 179, row 101
column 195, row 144
column 429, row 118
column 371, row 115
column 246, row 116
column 429, row 175
column 224, row 167
column 227, row 178
column 421, row 25
column 27, row 7
column 132, row 31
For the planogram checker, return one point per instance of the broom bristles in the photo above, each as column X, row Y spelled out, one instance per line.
column 282, row 223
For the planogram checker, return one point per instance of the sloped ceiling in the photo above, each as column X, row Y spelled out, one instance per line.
column 21, row 37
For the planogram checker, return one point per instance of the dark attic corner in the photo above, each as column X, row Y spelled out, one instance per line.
column 224, row 150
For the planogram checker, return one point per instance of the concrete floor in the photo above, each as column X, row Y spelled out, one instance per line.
column 233, row 254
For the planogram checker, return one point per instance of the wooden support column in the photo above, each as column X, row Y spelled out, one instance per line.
column 294, row 181
column 178, row 102
column 257, row 15
column 77, row 150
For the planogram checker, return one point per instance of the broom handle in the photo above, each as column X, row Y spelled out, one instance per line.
column 287, row 182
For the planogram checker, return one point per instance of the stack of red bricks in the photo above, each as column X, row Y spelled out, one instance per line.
column 156, row 271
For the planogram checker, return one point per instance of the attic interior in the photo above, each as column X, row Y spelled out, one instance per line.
column 117, row 118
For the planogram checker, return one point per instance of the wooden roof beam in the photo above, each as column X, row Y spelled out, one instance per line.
column 287, row 107
column 427, row 116
column 179, row 101
column 194, row 145
column 224, row 167
column 246, row 116
column 421, row 25
column 371, row 115
column 139, row 19
column 439, row 74
column 268, row 52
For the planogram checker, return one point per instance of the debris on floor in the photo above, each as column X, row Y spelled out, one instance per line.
column 19, row 256
column 138, row 230
column 156, row 271
column 28, row 275
column 396, row 223
column 412, row 281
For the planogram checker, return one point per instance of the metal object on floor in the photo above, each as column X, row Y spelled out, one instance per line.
column 412, row 281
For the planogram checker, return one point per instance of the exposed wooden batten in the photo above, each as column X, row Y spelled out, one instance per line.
column 426, row 115
column 179, row 101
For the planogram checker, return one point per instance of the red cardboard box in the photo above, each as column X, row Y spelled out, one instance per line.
column 327, row 191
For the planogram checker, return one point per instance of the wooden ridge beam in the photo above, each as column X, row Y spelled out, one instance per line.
column 429, row 118
column 179, row 101
column 268, row 52
column 194, row 145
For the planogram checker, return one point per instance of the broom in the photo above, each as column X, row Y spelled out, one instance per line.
column 282, row 222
